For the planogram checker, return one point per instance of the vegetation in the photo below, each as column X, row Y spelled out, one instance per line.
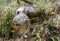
column 44, row 29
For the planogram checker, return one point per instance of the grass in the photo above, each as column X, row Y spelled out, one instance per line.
column 8, row 10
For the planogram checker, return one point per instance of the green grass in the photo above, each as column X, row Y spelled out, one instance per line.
column 8, row 10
